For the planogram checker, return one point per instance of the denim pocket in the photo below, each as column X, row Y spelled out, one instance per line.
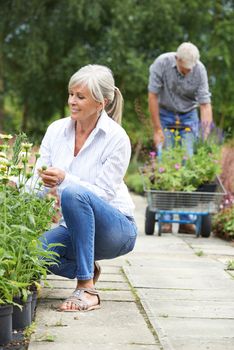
column 128, row 247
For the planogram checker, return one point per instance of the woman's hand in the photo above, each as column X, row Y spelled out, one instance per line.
column 52, row 177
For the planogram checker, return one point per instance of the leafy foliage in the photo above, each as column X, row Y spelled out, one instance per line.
column 23, row 217
column 174, row 170
column 223, row 223
column 42, row 44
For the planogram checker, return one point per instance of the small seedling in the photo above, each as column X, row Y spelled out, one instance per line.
column 230, row 265
column 199, row 253
column 46, row 337
column 30, row 330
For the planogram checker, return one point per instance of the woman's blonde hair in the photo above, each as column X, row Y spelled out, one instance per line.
column 100, row 82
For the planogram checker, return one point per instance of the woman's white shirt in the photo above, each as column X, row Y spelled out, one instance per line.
column 100, row 164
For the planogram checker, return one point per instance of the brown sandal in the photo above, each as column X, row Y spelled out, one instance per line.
column 97, row 272
column 79, row 300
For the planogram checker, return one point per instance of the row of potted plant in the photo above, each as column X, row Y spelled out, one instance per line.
column 23, row 217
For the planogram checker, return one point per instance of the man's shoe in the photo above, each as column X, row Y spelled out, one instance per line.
column 166, row 228
column 187, row 228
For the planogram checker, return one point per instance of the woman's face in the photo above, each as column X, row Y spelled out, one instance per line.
column 82, row 106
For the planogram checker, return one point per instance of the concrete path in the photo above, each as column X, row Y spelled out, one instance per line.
column 172, row 292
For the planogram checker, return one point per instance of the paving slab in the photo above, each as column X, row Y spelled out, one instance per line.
column 198, row 328
column 169, row 299
column 202, row 344
column 191, row 308
column 102, row 285
column 116, row 323
column 176, row 279
column 189, row 299
column 168, row 295
column 92, row 345
column 115, row 295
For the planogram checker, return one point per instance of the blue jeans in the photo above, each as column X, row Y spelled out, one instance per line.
column 190, row 120
column 95, row 231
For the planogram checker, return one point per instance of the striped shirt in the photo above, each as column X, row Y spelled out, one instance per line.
column 99, row 166
column 178, row 93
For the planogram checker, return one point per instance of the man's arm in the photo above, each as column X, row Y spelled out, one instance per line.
column 154, row 112
column 206, row 118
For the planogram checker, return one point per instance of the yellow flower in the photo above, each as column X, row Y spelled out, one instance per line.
column 6, row 137
column 177, row 122
column 4, row 161
column 3, row 168
column 172, row 130
column 19, row 167
column 177, row 138
column 187, row 129
column 26, row 146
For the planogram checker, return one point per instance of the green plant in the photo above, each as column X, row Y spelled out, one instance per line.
column 23, row 217
column 28, row 331
column 230, row 265
column 223, row 223
column 174, row 170
column 199, row 253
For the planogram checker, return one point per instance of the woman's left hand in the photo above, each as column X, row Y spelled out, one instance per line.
column 52, row 177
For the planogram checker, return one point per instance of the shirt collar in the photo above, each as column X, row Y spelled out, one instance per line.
column 174, row 61
column 102, row 124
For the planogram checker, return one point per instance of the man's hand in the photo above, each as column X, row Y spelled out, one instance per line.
column 52, row 177
column 158, row 137
column 206, row 119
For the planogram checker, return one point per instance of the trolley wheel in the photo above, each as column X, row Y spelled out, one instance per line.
column 149, row 221
column 206, row 225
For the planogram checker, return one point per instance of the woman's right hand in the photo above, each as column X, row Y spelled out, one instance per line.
column 52, row 177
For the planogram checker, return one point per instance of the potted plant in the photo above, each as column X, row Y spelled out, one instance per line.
column 175, row 171
column 23, row 217
column 6, row 299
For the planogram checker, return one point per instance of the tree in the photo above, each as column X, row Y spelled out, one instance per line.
column 44, row 43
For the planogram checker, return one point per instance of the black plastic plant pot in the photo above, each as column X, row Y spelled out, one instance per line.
column 33, row 304
column 5, row 324
column 22, row 318
column 207, row 187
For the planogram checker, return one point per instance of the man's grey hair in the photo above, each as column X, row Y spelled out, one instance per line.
column 189, row 54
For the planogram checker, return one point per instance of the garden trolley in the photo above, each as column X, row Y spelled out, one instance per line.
column 199, row 204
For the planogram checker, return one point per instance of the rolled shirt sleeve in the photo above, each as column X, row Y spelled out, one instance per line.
column 155, row 76
column 203, row 93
